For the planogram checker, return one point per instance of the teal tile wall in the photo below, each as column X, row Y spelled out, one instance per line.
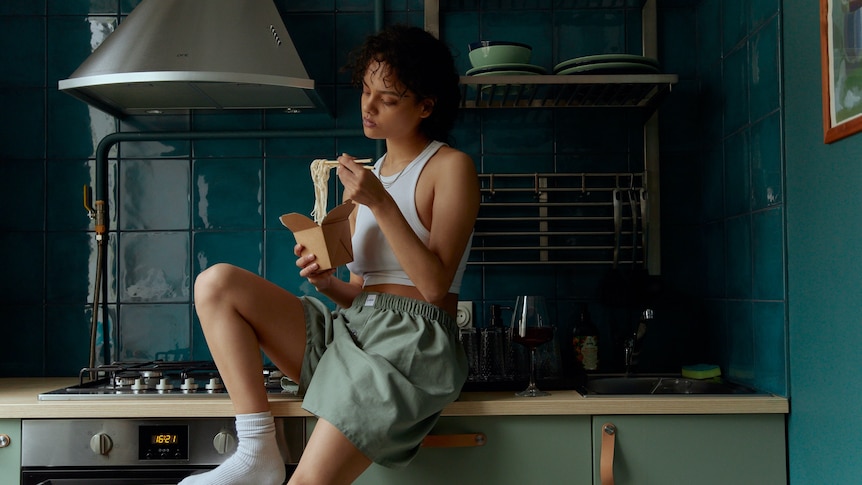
column 178, row 207
column 742, row 221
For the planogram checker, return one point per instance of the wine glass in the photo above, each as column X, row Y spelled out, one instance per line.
column 531, row 328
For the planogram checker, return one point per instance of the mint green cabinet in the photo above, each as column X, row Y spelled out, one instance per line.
column 10, row 454
column 738, row 449
column 519, row 450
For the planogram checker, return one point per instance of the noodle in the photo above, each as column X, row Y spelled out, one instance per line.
column 320, row 178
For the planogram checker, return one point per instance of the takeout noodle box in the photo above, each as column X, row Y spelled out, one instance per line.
column 330, row 241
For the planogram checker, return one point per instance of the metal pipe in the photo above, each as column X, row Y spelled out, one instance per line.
column 378, row 15
column 432, row 17
column 545, row 204
column 547, row 233
column 542, row 248
column 379, row 145
column 537, row 263
column 651, row 148
column 97, row 289
column 109, row 141
column 543, row 219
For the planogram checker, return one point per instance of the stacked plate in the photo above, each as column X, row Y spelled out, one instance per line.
column 608, row 64
column 507, row 70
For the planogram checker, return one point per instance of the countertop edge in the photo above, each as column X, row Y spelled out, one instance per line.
column 19, row 400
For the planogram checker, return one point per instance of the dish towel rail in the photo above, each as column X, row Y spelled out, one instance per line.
column 559, row 218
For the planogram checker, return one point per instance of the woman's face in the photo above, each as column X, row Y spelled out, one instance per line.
column 389, row 109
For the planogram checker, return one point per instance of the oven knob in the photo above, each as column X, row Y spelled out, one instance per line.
column 140, row 385
column 5, row 440
column 189, row 384
column 224, row 443
column 101, row 443
column 214, row 384
column 164, row 385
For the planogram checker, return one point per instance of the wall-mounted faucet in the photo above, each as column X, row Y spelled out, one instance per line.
column 633, row 345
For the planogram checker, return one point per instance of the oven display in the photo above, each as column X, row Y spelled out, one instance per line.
column 165, row 439
column 163, row 442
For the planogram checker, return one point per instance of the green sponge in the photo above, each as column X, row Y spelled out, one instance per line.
column 701, row 371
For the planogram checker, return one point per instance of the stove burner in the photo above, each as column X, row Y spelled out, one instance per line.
column 155, row 378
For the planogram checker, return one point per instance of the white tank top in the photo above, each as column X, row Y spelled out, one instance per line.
column 373, row 258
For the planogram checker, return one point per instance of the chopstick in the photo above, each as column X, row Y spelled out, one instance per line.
column 334, row 163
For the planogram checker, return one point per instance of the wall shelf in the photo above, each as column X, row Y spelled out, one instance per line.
column 644, row 91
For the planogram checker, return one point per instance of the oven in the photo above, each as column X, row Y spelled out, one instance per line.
column 136, row 451
column 142, row 451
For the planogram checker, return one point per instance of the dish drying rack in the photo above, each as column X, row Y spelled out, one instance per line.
column 644, row 91
column 561, row 218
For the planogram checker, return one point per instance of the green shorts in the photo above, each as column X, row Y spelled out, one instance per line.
column 381, row 371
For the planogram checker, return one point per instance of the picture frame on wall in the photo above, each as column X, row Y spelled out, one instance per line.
column 841, row 59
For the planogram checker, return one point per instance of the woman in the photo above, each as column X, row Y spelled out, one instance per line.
column 379, row 369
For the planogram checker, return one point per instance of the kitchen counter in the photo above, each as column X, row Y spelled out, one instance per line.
column 18, row 399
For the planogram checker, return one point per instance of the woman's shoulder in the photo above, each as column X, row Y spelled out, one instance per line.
column 450, row 164
column 449, row 156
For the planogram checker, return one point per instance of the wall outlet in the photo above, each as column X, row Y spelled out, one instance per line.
column 464, row 315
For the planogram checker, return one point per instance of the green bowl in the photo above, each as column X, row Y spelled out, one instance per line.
column 489, row 52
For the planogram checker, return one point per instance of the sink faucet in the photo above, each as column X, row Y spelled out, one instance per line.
column 634, row 343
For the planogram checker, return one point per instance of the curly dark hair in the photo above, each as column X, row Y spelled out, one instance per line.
column 425, row 66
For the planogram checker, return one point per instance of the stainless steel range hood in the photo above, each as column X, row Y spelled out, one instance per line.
column 172, row 56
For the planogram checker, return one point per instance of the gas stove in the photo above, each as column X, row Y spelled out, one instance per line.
column 158, row 379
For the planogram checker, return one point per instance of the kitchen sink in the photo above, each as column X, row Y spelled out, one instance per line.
column 662, row 385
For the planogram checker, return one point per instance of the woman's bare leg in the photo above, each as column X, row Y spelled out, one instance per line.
column 241, row 313
column 329, row 458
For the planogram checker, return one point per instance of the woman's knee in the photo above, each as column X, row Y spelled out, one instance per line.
column 212, row 283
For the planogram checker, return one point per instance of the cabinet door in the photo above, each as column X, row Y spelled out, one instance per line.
column 10, row 455
column 519, row 450
column 695, row 449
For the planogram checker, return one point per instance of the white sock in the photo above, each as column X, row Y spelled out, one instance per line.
column 256, row 460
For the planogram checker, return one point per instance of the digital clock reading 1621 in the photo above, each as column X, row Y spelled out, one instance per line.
column 165, row 439
column 163, row 442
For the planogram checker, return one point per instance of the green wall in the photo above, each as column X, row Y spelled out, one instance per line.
column 824, row 276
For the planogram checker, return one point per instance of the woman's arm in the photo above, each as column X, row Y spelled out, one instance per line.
column 448, row 202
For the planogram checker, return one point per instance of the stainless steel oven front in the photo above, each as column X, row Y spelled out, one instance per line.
column 136, row 451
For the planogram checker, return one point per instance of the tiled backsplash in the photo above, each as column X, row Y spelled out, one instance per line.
column 179, row 206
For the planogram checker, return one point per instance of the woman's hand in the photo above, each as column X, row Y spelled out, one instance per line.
column 360, row 184
column 310, row 269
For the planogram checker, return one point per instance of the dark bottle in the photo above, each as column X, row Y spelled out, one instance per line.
column 585, row 341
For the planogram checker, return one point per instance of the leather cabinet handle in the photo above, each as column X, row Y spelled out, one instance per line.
column 606, row 462
column 454, row 440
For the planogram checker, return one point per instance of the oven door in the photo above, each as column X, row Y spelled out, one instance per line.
column 114, row 476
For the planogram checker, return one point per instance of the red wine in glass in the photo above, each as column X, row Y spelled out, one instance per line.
column 531, row 328
column 534, row 336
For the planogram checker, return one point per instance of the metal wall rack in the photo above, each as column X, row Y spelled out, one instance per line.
column 559, row 218
column 632, row 91
column 573, row 91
